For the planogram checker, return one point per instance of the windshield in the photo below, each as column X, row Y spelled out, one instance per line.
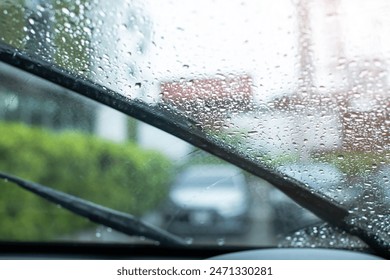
column 296, row 88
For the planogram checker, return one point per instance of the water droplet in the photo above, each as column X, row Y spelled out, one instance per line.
column 142, row 238
column 252, row 132
column 221, row 241
column 65, row 11
column 189, row 240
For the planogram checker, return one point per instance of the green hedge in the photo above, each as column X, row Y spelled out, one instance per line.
column 70, row 42
column 120, row 176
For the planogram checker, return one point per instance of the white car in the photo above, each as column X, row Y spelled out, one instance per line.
column 208, row 199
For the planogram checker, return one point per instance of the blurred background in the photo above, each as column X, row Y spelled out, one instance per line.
column 300, row 86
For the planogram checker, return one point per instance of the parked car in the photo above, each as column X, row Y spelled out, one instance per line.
column 208, row 199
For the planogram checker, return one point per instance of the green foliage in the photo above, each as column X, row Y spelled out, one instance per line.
column 12, row 22
column 66, row 35
column 119, row 176
column 200, row 157
column 356, row 163
column 71, row 35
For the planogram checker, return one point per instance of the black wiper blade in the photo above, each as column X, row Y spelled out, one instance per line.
column 116, row 220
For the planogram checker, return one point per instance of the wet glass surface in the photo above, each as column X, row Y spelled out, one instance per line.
column 300, row 87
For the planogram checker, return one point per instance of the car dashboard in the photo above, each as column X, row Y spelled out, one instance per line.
column 95, row 251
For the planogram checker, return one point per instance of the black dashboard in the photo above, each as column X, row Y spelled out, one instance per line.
column 63, row 250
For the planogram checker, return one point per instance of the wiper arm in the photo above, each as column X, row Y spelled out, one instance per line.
column 119, row 221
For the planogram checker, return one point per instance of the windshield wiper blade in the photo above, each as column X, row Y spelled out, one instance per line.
column 116, row 220
column 184, row 128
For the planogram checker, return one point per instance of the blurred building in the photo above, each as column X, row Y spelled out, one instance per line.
column 209, row 101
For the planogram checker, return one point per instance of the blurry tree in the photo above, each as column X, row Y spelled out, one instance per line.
column 80, row 36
